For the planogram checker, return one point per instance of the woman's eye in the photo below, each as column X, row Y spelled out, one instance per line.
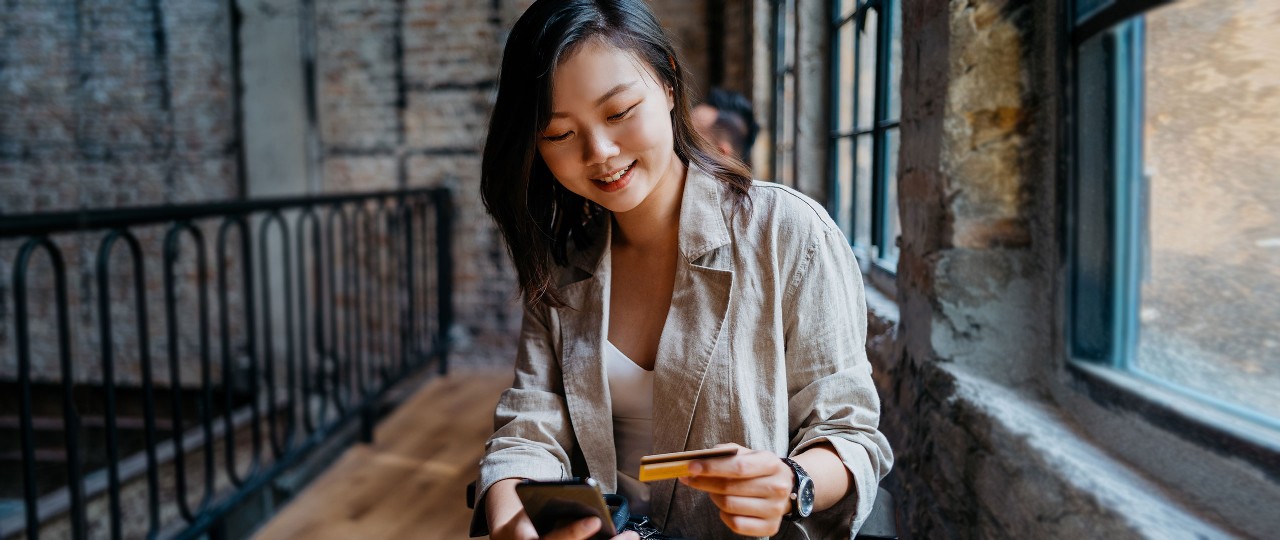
column 558, row 138
column 622, row 114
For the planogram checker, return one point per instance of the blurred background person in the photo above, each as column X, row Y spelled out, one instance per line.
column 726, row 119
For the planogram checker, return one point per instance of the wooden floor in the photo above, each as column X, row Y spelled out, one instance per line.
column 411, row 482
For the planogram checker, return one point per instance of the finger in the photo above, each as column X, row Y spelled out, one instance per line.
column 629, row 535
column 748, row 464
column 752, row 506
column 577, row 530
column 750, row 526
column 765, row 487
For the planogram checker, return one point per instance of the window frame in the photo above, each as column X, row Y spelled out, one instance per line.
column 1103, row 375
column 782, row 66
column 882, row 252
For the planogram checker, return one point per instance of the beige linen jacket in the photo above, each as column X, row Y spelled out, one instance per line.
column 763, row 346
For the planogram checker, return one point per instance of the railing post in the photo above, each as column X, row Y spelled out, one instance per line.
column 444, row 272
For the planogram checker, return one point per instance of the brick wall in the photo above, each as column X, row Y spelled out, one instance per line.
column 107, row 104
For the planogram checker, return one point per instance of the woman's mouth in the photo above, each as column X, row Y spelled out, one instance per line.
column 616, row 181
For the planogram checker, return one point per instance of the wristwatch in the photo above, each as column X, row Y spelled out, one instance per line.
column 801, row 492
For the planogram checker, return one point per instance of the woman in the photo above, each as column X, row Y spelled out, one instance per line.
column 670, row 302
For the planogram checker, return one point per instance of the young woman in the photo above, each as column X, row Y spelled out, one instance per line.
column 671, row 303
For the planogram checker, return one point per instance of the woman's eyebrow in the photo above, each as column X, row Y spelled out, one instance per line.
column 600, row 101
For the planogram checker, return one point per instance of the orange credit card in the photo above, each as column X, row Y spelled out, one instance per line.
column 676, row 464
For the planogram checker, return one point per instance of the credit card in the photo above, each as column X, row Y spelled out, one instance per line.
column 676, row 464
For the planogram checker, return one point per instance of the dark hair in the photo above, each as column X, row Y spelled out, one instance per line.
column 538, row 217
column 735, row 119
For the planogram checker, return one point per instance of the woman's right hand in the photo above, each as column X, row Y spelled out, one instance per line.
column 508, row 521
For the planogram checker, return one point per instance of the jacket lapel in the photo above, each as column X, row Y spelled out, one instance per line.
column 586, row 390
column 693, row 326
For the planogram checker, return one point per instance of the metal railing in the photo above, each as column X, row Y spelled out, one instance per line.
column 321, row 304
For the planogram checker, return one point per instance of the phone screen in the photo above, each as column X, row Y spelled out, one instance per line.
column 552, row 504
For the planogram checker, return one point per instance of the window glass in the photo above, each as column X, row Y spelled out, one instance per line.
column 845, row 8
column 893, row 228
column 867, row 72
column 1210, row 289
column 862, row 193
column 895, row 60
column 844, row 177
column 844, row 82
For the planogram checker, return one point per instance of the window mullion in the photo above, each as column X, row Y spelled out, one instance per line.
column 833, row 113
column 879, row 191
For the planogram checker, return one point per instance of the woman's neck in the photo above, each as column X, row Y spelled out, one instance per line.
column 655, row 223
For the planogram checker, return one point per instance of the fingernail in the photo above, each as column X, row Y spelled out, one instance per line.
column 695, row 468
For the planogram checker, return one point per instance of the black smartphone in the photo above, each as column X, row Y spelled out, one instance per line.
column 552, row 504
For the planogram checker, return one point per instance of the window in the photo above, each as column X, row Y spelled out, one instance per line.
column 1174, row 210
column 866, row 54
column 783, row 117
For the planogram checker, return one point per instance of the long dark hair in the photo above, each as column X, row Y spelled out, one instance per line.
column 538, row 217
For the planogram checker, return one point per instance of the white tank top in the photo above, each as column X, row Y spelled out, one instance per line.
column 631, row 395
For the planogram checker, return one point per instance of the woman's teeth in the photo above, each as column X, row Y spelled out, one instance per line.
column 617, row 175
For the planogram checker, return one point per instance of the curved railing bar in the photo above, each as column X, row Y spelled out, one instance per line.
column 175, row 381
column 107, row 344
column 228, row 371
column 359, row 254
column 279, row 444
column 70, row 419
column 308, row 215
column 335, row 380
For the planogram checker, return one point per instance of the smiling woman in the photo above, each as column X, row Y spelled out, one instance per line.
column 610, row 129
column 671, row 303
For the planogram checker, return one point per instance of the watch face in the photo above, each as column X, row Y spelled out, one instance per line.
column 805, row 497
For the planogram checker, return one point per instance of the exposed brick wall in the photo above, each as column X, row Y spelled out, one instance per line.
column 738, row 36
column 99, row 114
column 105, row 105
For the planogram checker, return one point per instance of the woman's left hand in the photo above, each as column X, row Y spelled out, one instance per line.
column 752, row 489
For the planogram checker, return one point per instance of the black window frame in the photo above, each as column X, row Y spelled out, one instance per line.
column 782, row 63
column 882, row 251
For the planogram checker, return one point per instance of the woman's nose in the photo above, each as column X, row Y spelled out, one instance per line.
column 600, row 147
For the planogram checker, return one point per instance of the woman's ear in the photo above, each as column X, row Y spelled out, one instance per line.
column 671, row 99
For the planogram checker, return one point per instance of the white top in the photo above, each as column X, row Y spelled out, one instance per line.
column 631, row 394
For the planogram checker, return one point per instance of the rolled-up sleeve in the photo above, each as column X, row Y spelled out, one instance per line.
column 532, row 435
column 831, row 395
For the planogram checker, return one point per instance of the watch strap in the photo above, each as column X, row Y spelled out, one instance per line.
column 797, row 472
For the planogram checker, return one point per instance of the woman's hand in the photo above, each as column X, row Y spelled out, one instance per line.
column 508, row 520
column 752, row 489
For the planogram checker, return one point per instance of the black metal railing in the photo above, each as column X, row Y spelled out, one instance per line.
column 320, row 305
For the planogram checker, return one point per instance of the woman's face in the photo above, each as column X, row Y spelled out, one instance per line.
column 610, row 137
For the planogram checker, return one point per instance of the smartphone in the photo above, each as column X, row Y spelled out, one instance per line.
column 552, row 504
